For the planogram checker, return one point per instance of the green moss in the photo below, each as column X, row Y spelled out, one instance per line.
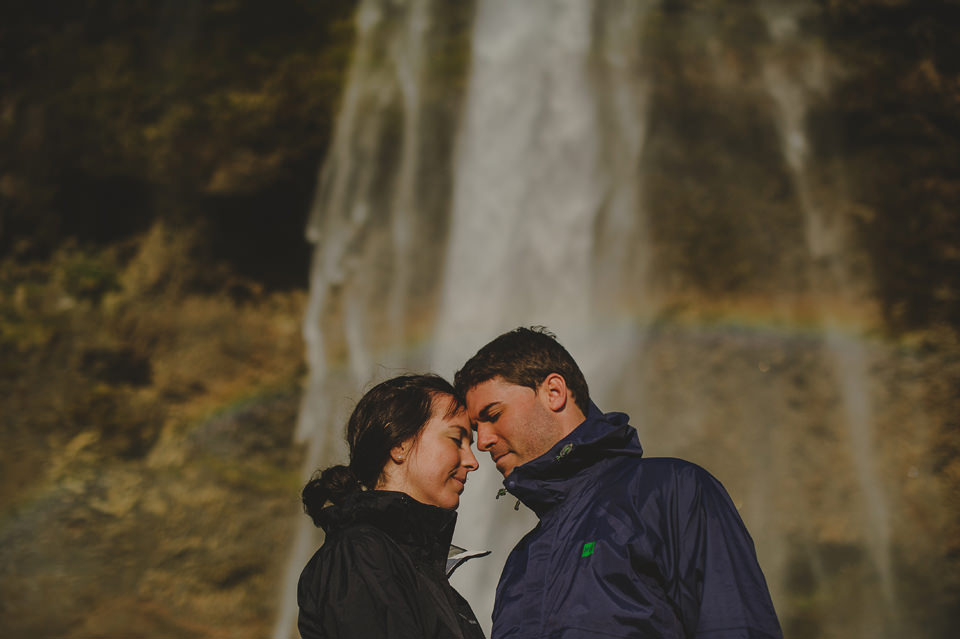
column 90, row 277
column 163, row 99
column 254, row 477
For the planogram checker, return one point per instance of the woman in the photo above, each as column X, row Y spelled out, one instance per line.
column 389, row 517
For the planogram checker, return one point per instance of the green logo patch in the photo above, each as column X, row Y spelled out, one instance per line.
column 588, row 549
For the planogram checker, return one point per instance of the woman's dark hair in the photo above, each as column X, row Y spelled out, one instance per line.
column 389, row 414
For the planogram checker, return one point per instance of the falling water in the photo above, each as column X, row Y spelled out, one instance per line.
column 794, row 77
column 551, row 209
column 364, row 253
column 547, row 192
column 546, row 189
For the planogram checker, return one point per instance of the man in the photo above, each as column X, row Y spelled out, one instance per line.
column 626, row 546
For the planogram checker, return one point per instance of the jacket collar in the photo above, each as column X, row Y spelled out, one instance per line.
column 424, row 529
column 544, row 482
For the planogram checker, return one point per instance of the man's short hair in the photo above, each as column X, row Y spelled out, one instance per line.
column 525, row 357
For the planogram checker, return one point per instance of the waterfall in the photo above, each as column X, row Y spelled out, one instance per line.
column 572, row 183
column 546, row 191
column 362, row 231
column 795, row 73
column 567, row 110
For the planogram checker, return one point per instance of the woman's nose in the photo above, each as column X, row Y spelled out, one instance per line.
column 468, row 460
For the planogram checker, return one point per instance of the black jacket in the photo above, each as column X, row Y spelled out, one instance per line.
column 381, row 573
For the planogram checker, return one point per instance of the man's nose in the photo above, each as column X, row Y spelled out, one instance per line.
column 486, row 438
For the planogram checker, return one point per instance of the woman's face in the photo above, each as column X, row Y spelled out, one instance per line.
column 436, row 465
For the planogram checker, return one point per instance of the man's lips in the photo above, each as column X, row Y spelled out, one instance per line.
column 498, row 456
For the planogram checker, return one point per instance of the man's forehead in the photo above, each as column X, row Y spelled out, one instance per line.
column 497, row 382
column 479, row 395
column 489, row 393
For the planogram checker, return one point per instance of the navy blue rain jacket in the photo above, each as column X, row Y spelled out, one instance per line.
column 628, row 547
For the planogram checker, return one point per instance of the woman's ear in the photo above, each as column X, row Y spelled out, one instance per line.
column 398, row 453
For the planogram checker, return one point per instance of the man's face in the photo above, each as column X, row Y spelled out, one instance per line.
column 513, row 422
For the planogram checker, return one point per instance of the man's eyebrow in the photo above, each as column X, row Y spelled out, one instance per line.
column 484, row 413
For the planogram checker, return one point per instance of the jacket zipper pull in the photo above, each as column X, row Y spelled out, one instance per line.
column 516, row 506
column 564, row 452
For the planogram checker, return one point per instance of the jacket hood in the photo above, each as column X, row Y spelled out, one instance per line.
column 426, row 530
column 544, row 482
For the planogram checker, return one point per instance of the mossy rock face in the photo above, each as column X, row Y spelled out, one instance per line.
column 152, row 274
column 120, row 115
column 186, row 546
column 897, row 124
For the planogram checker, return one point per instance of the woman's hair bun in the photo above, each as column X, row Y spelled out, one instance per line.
column 331, row 485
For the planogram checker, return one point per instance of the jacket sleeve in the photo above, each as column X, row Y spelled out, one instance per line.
column 721, row 593
column 359, row 585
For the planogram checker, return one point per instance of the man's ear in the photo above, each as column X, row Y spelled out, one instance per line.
column 554, row 393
